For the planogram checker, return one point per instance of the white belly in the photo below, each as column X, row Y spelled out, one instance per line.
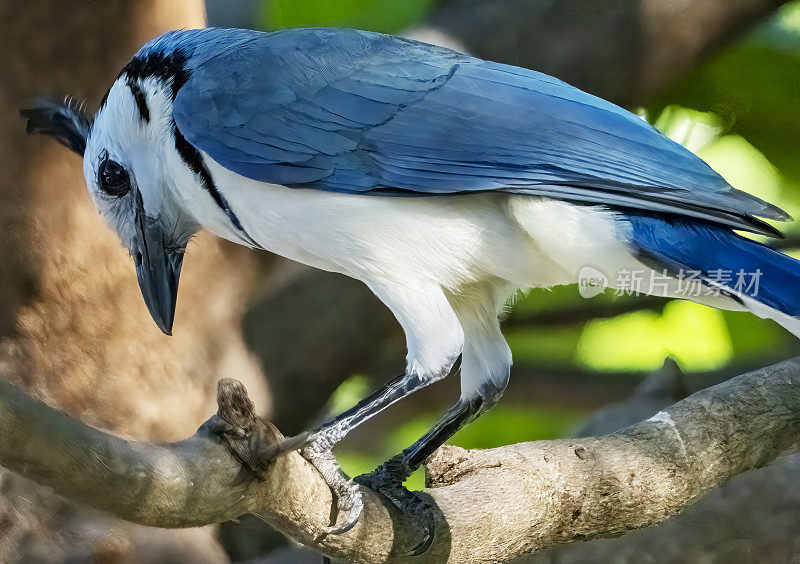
column 452, row 240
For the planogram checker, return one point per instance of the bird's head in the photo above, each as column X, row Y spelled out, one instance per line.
column 127, row 166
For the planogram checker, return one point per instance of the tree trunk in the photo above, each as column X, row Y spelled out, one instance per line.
column 73, row 328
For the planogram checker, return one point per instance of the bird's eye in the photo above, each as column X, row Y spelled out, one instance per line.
column 113, row 178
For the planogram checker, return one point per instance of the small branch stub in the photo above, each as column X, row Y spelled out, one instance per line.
column 254, row 441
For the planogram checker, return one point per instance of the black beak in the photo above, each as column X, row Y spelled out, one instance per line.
column 157, row 269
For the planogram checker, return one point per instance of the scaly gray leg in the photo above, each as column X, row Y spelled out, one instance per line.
column 317, row 444
column 388, row 478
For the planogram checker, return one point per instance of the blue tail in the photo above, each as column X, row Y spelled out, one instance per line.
column 683, row 244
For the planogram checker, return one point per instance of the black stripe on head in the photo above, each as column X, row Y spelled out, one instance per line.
column 169, row 67
column 141, row 100
column 194, row 160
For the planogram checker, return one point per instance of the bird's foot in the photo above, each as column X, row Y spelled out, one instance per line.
column 256, row 443
column 387, row 479
column 316, row 448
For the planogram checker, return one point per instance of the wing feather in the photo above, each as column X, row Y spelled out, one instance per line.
column 360, row 112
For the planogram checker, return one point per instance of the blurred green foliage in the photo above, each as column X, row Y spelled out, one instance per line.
column 387, row 16
column 695, row 336
column 741, row 112
column 753, row 87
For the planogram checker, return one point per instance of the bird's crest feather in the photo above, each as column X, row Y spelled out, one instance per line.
column 65, row 120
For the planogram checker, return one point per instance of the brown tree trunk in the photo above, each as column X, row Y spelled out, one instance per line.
column 73, row 328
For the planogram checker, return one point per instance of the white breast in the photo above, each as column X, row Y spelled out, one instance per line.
column 452, row 240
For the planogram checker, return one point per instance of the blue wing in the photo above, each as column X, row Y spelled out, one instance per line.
column 359, row 112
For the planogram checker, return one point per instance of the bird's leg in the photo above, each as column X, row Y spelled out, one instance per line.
column 331, row 432
column 316, row 445
column 388, row 478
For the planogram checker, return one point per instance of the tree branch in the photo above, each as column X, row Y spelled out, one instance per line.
column 490, row 505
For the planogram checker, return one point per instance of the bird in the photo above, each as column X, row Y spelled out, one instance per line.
column 443, row 182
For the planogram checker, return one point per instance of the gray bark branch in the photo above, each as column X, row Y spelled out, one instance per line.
column 490, row 505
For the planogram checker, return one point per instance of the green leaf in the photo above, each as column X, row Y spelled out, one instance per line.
column 387, row 16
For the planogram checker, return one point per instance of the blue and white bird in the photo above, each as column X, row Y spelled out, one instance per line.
column 444, row 182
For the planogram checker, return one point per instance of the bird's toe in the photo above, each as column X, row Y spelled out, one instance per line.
column 288, row 444
column 349, row 502
column 387, row 479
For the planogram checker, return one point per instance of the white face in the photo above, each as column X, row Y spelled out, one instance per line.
column 123, row 148
column 130, row 169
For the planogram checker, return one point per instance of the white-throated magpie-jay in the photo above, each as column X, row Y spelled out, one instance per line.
column 444, row 182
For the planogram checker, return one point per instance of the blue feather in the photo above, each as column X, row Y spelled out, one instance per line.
column 684, row 245
column 359, row 112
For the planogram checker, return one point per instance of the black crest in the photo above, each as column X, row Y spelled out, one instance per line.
column 65, row 120
column 169, row 67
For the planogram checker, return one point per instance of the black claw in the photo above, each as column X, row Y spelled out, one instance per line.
column 387, row 479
